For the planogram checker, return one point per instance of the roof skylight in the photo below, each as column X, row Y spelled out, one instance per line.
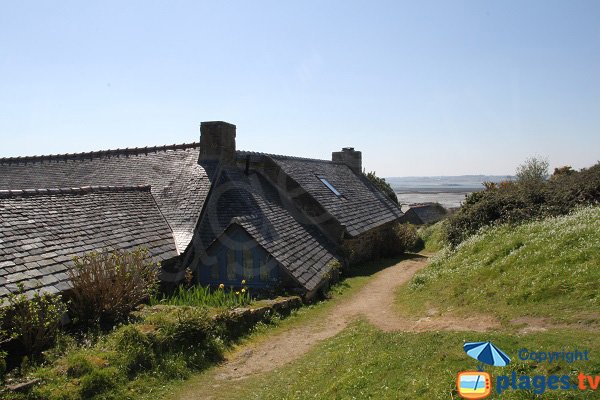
column 329, row 186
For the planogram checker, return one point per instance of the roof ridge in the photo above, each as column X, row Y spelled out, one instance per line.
column 99, row 153
column 74, row 191
column 258, row 153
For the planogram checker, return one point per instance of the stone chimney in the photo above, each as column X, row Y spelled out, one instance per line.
column 217, row 142
column 350, row 157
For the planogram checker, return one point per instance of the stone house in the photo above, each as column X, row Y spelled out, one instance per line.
column 227, row 215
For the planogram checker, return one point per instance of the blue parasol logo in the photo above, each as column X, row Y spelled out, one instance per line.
column 486, row 353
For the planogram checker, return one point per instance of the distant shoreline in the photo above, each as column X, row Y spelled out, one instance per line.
column 421, row 190
column 449, row 191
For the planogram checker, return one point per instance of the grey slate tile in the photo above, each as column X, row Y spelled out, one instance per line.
column 84, row 208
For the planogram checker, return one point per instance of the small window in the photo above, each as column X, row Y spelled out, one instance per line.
column 231, row 264
column 248, row 265
column 329, row 186
column 265, row 269
column 214, row 271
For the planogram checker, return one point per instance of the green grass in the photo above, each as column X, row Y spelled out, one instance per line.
column 433, row 237
column 547, row 268
column 151, row 358
column 204, row 296
column 134, row 361
column 365, row 363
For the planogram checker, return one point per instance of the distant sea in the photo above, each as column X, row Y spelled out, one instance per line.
column 449, row 191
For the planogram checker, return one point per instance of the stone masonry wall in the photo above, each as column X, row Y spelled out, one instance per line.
column 373, row 244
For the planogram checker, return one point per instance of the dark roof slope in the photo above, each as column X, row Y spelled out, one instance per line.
column 360, row 207
column 178, row 183
column 255, row 205
column 41, row 230
column 425, row 213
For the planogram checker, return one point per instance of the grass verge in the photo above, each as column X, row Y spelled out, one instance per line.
column 546, row 268
column 433, row 237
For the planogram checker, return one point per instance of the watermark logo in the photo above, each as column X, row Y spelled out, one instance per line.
column 478, row 384
column 474, row 384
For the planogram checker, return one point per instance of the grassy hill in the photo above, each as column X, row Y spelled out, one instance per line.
column 548, row 268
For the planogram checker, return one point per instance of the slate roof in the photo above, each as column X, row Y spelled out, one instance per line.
column 254, row 204
column 360, row 207
column 41, row 230
column 178, row 183
column 424, row 213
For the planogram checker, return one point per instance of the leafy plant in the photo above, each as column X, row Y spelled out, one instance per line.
column 108, row 285
column 98, row 381
column 206, row 296
column 533, row 171
column 5, row 336
column 192, row 329
column 407, row 238
column 35, row 321
column 400, row 238
column 136, row 350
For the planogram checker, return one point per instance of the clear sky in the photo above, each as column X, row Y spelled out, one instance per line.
column 421, row 87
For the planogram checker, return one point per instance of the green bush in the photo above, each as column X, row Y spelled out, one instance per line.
column 136, row 351
column 2, row 365
column 403, row 237
column 5, row 336
column 98, row 381
column 108, row 285
column 530, row 197
column 533, row 171
column 78, row 365
column 409, row 237
column 182, row 333
column 34, row 321
column 192, row 330
column 382, row 185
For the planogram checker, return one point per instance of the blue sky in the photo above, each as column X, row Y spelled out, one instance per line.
column 422, row 88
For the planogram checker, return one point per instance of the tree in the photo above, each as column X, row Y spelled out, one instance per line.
column 382, row 185
column 533, row 170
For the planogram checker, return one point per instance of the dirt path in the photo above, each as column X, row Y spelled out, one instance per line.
column 374, row 302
